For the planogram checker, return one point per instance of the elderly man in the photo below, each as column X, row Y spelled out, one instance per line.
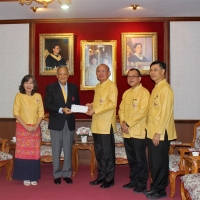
column 103, row 112
column 58, row 100
column 133, row 113
column 160, row 130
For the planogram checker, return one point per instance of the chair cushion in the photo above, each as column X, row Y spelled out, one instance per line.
column 45, row 132
column 118, row 135
column 197, row 141
column 120, row 152
column 174, row 160
column 5, row 156
column 194, row 149
column 46, row 150
column 175, row 143
column 191, row 184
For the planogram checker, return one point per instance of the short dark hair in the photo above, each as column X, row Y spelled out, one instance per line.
column 160, row 63
column 26, row 79
column 136, row 44
column 55, row 45
column 134, row 69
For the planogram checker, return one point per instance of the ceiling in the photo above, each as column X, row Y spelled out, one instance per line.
column 12, row 10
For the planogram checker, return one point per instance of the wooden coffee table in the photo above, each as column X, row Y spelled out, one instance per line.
column 78, row 145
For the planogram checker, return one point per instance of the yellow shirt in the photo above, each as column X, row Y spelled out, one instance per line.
column 29, row 108
column 161, row 111
column 104, row 105
column 133, row 110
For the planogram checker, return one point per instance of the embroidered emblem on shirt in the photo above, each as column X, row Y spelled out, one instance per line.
column 101, row 100
column 73, row 98
column 37, row 100
column 134, row 103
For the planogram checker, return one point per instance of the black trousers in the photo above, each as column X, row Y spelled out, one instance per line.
column 136, row 154
column 104, row 147
column 159, row 164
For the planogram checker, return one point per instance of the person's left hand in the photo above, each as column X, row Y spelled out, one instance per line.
column 35, row 127
column 156, row 139
column 124, row 127
column 90, row 112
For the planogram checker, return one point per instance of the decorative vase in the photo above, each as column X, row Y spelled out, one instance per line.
column 84, row 139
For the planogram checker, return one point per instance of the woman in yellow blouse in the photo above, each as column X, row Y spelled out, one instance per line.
column 28, row 111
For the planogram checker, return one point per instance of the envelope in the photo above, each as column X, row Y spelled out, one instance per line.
column 79, row 109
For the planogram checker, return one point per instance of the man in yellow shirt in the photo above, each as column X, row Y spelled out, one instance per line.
column 103, row 112
column 132, row 113
column 160, row 130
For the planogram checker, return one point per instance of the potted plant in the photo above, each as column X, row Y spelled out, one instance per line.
column 83, row 133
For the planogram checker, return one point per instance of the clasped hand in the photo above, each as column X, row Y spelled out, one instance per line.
column 32, row 129
column 124, row 128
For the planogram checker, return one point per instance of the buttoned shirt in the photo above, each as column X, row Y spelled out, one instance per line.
column 29, row 108
column 104, row 105
column 133, row 110
column 161, row 111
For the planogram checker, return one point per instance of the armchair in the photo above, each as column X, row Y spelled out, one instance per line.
column 177, row 161
column 190, row 188
column 45, row 148
column 6, row 159
column 120, row 153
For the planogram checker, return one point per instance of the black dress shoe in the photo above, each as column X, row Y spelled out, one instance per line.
column 57, row 181
column 147, row 192
column 156, row 195
column 107, row 184
column 139, row 189
column 96, row 182
column 129, row 186
column 68, row 180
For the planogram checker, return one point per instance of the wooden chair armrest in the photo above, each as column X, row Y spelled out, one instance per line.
column 4, row 144
column 195, row 160
column 45, row 143
column 172, row 146
column 182, row 162
column 119, row 144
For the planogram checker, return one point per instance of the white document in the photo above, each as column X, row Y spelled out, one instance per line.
column 79, row 109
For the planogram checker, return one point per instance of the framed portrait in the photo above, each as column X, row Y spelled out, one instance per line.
column 94, row 53
column 139, row 50
column 56, row 49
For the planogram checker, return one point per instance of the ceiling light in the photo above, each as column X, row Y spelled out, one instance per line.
column 64, row 3
column 134, row 7
column 45, row 2
column 64, row 6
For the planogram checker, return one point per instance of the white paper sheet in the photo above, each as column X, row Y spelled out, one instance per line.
column 79, row 109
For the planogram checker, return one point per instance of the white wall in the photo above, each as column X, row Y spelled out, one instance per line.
column 185, row 68
column 14, row 63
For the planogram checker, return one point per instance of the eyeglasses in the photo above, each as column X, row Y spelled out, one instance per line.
column 129, row 77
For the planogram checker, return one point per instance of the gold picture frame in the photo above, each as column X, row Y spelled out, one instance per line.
column 139, row 50
column 94, row 53
column 46, row 44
